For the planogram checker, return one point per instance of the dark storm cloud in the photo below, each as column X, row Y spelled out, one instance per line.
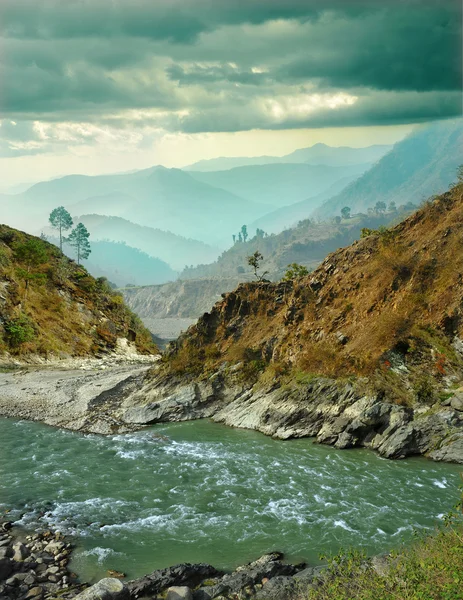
column 213, row 65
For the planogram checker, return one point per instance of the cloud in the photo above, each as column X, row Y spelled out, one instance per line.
column 214, row 65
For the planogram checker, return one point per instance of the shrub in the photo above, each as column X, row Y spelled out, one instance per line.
column 20, row 330
column 294, row 271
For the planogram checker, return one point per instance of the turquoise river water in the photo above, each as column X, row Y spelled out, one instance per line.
column 199, row 491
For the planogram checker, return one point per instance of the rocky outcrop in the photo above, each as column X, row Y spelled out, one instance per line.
column 330, row 411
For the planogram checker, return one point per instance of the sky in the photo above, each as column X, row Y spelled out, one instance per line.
column 97, row 86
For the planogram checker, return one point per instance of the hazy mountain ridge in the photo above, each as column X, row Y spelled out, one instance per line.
column 121, row 264
column 423, row 164
column 279, row 184
column 164, row 245
column 318, row 154
column 168, row 199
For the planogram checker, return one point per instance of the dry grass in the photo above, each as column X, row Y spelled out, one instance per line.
column 362, row 302
column 70, row 312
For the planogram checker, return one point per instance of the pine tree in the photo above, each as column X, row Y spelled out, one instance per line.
column 60, row 219
column 78, row 239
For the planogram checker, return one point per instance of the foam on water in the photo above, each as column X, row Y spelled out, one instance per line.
column 202, row 492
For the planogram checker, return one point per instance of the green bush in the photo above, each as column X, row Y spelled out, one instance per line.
column 20, row 330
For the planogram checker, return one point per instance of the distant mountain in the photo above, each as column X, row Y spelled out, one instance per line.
column 423, row 164
column 319, row 154
column 289, row 216
column 172, row 249
column 279, row 184
column 122, row 264
column 168, row 199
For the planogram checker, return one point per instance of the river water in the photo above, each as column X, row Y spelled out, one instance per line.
column 199, row 491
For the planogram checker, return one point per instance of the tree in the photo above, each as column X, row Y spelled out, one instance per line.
column 234, row 238
column 260, row 233
column 294, row 271
column 380, row 207
column 337, row 219
column 392, row 206
column 345, row 212
column 61, row 220
column 78, row 239
column 254, row 261
column 240, row 237
column 32, row 253
column 244, row 232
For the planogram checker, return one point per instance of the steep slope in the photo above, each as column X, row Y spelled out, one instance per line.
column 366, row 351
column 419, row 166
column 307, row 244
column 392, row 298
column 168, row 199
column 319, row 154
column 279, row 184
column 50, row 306
column 172, row 249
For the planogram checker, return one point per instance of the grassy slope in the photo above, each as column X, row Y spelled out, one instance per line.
column 54, row 307
column 429, row 569
column 388, row 300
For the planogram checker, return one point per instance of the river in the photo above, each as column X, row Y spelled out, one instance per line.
column 198, row 491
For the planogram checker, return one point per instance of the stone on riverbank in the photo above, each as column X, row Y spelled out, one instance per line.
column 109, row 588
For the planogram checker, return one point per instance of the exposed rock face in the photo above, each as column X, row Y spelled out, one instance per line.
column 179, row 575
column 332, row 412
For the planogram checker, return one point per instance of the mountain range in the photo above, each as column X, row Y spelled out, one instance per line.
column 318, row 154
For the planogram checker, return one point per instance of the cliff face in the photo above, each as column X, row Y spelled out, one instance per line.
column 50, row 306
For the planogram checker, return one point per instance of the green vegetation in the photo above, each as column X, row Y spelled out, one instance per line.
column 20, row 330
column 78, row 239
column 32, row 253
column 61, row 220
column 255, row 261
column 68, row 312
column 295, row 271
column 430, row 569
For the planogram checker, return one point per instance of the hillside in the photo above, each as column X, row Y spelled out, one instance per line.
column 422, row 164
column 279, row 184
column 50, row 306
column 307, row 244
column 318, row 154
column 167, row 199
column 388, row 307
column 289, row 216
column 170, row 248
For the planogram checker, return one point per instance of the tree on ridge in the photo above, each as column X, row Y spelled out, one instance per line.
column 60, row 219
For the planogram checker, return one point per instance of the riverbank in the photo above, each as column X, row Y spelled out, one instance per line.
column 106, row 397
column 35, row 567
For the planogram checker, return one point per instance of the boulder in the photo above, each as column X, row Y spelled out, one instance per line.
column 278, row 588
column 6, row 567
column 245, row 578
column 457, row 402
column 184, row 574
column 179, row 593
column 106, row 589
column 450, row 450
column 20, row 552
